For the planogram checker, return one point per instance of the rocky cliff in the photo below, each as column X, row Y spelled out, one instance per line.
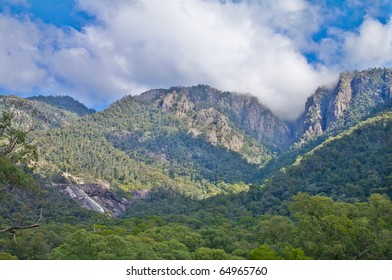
column 356, row 96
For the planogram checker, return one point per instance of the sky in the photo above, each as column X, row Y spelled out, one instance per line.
column 281, row 51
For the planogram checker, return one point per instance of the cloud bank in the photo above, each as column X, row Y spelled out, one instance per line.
column 255, row 47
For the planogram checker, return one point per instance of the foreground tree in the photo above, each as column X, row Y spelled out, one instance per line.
column 16, row 156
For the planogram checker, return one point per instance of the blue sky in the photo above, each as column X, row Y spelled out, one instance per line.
column 280, row 51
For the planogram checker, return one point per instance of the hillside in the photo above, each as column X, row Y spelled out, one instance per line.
column 197, row 140
column 348, row 167
column 356, row 97
column 331, row 204
column 44, row 115
column 133, row 145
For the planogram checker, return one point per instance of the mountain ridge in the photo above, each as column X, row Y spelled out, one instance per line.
column 65, row 102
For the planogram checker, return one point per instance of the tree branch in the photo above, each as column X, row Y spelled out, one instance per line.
column 13, row 229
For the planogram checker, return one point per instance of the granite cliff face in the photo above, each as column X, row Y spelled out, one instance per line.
column 355, row 97
column 95, row 197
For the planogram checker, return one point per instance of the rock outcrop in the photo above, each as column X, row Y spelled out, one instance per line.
column 355, row 97
column 95, row 197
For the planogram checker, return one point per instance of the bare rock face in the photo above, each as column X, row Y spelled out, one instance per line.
column 342, row 100
column 217, row 128
column 209, row 122
column 314, row 118
column 95, row 197
column 177, row 103
column 355, row 96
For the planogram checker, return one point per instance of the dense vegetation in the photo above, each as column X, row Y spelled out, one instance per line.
column 317, row 228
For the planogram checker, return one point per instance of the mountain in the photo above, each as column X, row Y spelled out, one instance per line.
column 356, row 96
column 332, row 203
column 208, row 112
column 66, row 103
column 133, row 145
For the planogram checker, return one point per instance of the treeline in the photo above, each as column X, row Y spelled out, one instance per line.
column 317, row 228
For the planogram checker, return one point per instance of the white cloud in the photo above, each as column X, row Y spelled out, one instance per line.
column 371, row 46
column 246, row 47
column 19, row 52
column 252, row 47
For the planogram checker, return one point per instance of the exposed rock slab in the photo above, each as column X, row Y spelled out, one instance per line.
column 95, row 197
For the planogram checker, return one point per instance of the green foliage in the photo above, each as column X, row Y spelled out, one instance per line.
column 336, row 230
column 13, row 175
column 43, row 115
column 16, row 153
column 317, row 228
column 275, row 229
column 349, row 167
column 7, row 256
column 212, row 254
column 172, row 250
column 264, row 252
column 14, row 142
column 83, row 245
column 291, row 253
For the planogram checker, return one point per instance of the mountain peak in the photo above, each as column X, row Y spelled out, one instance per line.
column 245, row 112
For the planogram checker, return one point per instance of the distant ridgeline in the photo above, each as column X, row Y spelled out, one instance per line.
column 66, row 103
